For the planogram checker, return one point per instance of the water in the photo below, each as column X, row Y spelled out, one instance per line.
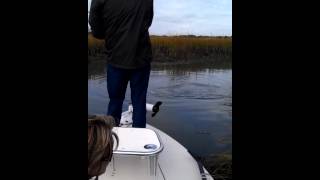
column 196, row 109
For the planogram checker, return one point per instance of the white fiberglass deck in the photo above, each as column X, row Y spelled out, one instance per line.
column 174, row 163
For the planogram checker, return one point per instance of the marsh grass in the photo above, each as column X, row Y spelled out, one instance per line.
column 177, row 49
column 190, row 48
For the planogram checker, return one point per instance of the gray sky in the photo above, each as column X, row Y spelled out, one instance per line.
column 198, row 17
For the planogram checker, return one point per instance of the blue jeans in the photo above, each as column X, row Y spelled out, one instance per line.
column 117, row 81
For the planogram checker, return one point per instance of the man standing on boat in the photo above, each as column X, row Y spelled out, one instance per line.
column 124, row 24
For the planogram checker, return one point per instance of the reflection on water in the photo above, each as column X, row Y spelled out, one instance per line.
column 197, row 104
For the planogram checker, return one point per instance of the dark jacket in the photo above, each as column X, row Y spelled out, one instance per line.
column 124, row 25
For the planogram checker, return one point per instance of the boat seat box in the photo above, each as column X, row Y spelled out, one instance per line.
column 139, row 142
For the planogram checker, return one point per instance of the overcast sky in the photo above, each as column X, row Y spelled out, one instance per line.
column 198, row 17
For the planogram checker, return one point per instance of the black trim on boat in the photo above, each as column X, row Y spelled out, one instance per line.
column 201, row 170
column 200, row 166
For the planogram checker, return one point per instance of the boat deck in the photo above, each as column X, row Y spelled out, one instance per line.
column 174, row 163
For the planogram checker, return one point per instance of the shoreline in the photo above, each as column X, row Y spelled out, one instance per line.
column 225, row 63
